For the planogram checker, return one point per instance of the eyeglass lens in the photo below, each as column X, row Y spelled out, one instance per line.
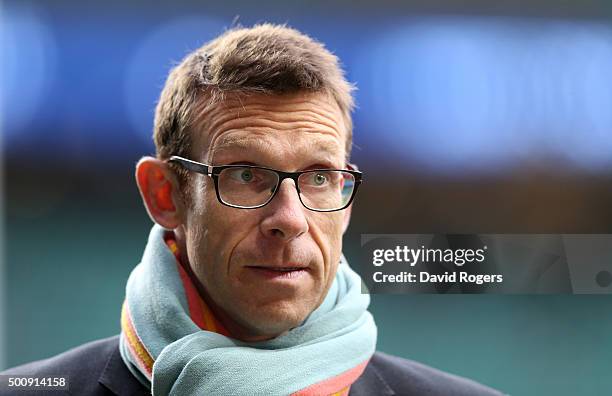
column 252, row 187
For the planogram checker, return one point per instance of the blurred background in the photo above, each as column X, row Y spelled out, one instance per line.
column 479, row 117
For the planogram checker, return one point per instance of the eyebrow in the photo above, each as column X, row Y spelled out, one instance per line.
column 259, row 146
column 237, row 144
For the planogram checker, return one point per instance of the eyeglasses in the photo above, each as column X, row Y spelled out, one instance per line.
column 251, row 187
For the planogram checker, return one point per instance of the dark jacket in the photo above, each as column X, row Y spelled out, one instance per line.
column 97, row 369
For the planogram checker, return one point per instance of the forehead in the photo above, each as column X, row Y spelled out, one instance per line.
column 295, row 123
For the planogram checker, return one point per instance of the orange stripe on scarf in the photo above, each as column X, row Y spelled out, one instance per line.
column 137, row 348
column 199, row 311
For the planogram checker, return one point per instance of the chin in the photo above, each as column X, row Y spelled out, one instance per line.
column 276, row 318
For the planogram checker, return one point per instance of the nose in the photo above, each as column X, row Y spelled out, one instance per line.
column 285, row 218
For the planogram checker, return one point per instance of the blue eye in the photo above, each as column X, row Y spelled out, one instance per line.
column 319, row 179
column 246, row 175
column 242, row 175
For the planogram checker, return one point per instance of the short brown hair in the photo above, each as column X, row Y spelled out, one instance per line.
column 266, row 58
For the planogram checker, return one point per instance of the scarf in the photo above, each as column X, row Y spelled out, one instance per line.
column 172, row 343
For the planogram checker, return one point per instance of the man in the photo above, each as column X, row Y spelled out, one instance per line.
column 243, row 289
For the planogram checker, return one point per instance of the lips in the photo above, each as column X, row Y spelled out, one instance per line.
column 279, row 272
column 280, row 267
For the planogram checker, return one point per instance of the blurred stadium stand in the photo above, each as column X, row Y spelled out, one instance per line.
column 474, row 117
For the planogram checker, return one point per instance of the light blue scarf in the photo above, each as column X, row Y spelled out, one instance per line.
column 330, row 348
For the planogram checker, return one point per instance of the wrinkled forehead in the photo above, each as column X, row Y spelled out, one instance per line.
column 305, row 121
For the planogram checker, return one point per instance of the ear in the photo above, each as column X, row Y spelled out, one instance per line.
column 159, row 190
column 347, row 218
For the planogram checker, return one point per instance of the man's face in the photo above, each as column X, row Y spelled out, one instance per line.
column 231, row 250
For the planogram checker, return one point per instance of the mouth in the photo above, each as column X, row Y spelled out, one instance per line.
column 279, row 273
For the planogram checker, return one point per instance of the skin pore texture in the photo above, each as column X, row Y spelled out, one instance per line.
column 235, row 254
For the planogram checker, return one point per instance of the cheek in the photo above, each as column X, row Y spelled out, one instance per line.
column 326, row 231
column 198, row 215
column 332, row 225
column 204, row 228
column 214, row 231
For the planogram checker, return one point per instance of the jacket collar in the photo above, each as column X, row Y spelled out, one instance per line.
column 371, row 382
column 118, row 378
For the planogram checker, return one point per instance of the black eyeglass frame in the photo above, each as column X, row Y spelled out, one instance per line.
column 215, row 171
